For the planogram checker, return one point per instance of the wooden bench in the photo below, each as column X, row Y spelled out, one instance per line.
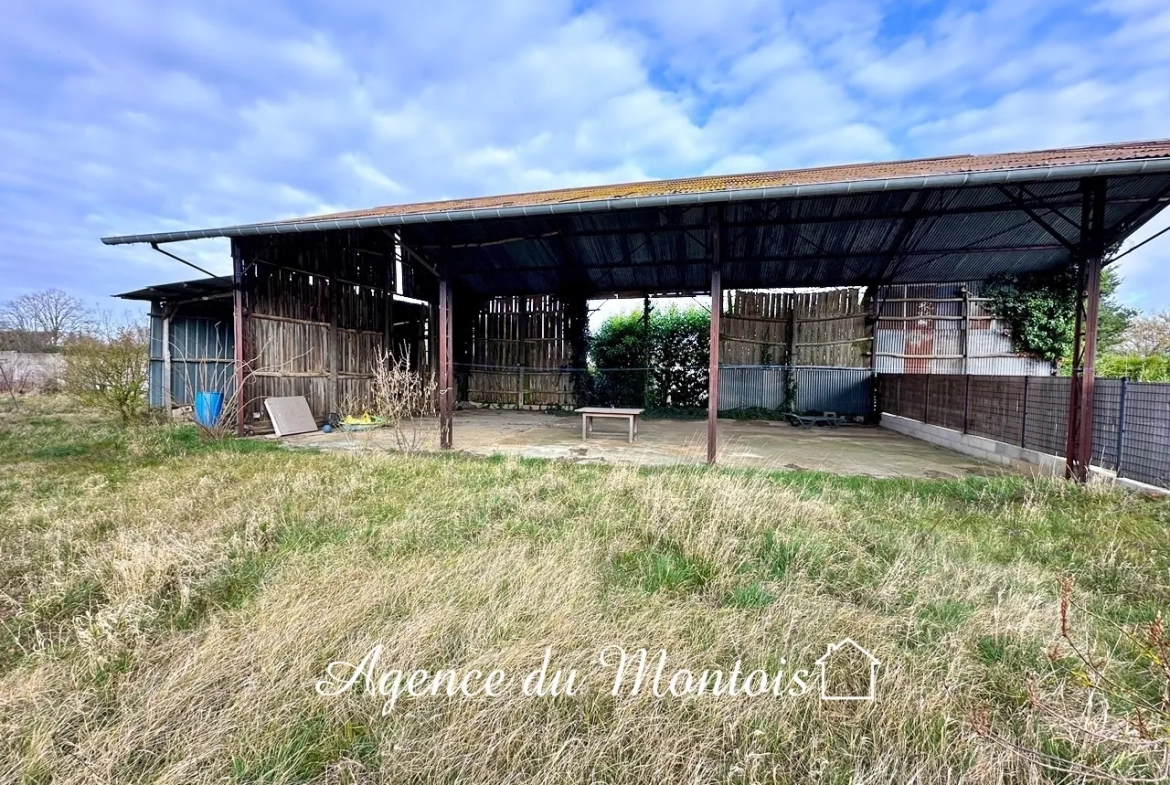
column 589, row 412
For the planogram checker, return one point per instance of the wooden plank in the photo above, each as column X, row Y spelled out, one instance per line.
column 446, row 367
column 238, row 327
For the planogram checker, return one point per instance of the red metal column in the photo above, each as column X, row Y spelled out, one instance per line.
column 713, row 367
column 238, row 337
column 1079, row 448
column 446, row 366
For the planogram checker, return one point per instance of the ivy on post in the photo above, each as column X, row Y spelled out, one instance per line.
column 1088, row 300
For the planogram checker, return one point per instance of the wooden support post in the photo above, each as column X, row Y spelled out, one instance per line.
column 713, row 367
column 521, row 348
column 875, row 312
column 167, row 393
column 334, row 347
column 1088, row 375
column 390, row 286
column 577, row 313
column 1079, row 448
column 792, row 328
column 238, row 323
column 446, row 366
column 966, row 329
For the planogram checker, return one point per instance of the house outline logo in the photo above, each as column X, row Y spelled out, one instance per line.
column 823, row 662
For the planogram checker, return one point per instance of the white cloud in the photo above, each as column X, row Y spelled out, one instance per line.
column 121, row 117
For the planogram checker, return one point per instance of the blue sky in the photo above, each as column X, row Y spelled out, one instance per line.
column 120, row 117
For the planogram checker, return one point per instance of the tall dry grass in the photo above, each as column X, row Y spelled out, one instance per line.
column 170, row 606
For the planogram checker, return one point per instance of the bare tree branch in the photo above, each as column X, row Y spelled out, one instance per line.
column 44, row 319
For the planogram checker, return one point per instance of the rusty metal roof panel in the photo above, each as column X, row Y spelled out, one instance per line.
column 957, row 164
column 960, row 169
column 917, row 230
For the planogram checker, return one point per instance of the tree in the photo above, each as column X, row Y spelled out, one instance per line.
column 619, row 351
column 1114, row 318
column 655, row 358
column 1040, row 310
column 44, row 319
column 680, row 353
column 1147, row 335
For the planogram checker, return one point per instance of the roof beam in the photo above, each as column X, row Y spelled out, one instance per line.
column 1038, row 220
column 764, row 223
column 192, row 265
column 827, row 256
column 1146, row 210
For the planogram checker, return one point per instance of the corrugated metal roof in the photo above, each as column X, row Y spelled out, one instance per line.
column 603, row 196
column 955, row 164
column 930, row 220
column 182, row 290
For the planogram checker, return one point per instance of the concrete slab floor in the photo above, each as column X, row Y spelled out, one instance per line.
column 848, row 449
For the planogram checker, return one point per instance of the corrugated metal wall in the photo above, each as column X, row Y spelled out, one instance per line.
column 202, row 358
column 847, row 391
column 946, row 328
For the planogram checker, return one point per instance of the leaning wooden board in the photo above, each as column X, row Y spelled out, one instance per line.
column 290, row 415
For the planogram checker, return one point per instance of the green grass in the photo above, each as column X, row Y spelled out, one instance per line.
column 168, row 603
column 663, row 567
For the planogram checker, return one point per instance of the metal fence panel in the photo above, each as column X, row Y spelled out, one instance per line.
column 947, row 403
column 1131, row 420
column 913, row 396
column 1106, row 410
column 995, row 408
column 846, row 391
column 1145, row 453
column 1046, row 419
column 748, row 387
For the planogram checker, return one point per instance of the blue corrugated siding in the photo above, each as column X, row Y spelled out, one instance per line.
column 847, row 391
column 202, row 359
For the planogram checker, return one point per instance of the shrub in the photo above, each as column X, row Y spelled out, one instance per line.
column 110, row 372
column 1139, row 369
column 655, row 362
column 400, row 397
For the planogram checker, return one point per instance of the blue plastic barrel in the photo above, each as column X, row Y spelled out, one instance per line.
column 208, row 408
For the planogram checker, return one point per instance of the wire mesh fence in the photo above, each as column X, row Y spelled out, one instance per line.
column 1131, row 420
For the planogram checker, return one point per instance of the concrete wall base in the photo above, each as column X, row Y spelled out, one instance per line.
column 1007, row 455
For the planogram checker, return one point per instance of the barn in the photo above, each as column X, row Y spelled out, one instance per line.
column 483, row 290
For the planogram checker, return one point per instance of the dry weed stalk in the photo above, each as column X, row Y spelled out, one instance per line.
column 1142, row 734
column 402, row 397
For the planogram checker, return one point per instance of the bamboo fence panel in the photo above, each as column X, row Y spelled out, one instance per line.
column 824, row 328
column 522, row 352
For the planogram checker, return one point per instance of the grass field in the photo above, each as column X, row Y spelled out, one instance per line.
column 170, row 605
